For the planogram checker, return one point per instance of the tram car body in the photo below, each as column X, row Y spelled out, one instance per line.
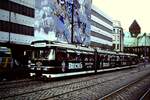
column 51, row 60
column 6, row 63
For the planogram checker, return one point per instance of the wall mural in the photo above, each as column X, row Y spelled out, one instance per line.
column 53, row 20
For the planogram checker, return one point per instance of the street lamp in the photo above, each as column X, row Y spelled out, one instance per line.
column 72, row 22
column 145, row 44
column 9, row 23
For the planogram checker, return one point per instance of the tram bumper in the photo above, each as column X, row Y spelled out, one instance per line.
column 41, row 76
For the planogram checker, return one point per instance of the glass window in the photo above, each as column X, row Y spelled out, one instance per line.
column 61, row 55
column 45, row 54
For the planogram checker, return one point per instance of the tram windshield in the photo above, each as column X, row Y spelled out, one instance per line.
column 47, row 54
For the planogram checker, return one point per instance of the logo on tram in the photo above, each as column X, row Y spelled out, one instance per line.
column 75, row 66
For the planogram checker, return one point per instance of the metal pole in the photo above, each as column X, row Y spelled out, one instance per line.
column 145, row 51
column 145, row 44
column 9, row 25
column 72, row 23
column 9, row 22
column 120, row 40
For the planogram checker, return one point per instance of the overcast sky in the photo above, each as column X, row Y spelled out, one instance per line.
column 126, row 11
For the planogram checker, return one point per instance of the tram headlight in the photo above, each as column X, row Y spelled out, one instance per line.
column 29, row 61
column 32, row 68
column 45, row 69
column 29, row 65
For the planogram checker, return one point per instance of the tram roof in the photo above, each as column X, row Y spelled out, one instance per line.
column 74, row 48
column 61, row 45
column 127, row 54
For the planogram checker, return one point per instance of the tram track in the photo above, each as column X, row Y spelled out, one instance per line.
column 79, row 84
column 146, row 95
column 14, row 82
column 60, row 85
column 130, row 91
column 81, row 92
column 17, row 84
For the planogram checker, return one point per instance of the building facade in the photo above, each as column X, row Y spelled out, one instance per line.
column 118, row 36
column 17, row 25
column 101, row 29
column 17, row 21
column 137, row 42
column 139, row 45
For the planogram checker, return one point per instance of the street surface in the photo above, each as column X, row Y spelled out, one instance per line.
column 80, row 88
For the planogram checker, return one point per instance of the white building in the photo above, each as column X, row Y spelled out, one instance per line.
column 101, row 29
column 118, row 36
column 17, row 21
column 17, row 25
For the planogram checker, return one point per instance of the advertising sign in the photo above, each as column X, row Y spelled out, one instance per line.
column 55, row 20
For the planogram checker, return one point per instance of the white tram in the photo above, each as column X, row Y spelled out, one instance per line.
column 51, row 60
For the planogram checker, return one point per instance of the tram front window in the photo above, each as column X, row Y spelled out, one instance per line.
column 45, row 54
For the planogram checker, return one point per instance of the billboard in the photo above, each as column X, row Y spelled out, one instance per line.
column 60, row 20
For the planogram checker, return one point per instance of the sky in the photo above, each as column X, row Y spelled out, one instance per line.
column 126, row 11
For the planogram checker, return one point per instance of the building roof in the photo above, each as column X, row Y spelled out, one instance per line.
column 101, row 12
column 116, row 23
column 134, row 29
column 141, row 40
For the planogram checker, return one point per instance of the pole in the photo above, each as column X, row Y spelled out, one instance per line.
column 145, row 44
column 145, row 51
column 9, row 26
column 120, row 39
column 9, row 23
column 72, row 22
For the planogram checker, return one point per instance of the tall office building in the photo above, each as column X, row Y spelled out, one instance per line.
column 101, row 29
column 17, row 24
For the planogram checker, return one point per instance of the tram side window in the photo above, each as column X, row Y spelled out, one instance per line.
column 106, row 58
column 101, row 57
column 112, row 58
column 44, row 54
column 74, row 57
column 84, row 57
column 117, row 58
column 61, row 55
column 91, row 57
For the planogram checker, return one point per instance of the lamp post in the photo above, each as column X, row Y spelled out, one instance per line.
column 9, row 5
column 9, row 26
column 72, row 22
column 145, row 45
column 145, row 51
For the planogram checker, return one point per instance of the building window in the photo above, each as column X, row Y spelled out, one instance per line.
column 113, row 30
column 117, row 46
column 120, row 31
column 16, row 28
column 17, row 8
column 113, row 46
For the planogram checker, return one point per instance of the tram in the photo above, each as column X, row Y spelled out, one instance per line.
column 52, row 59
column 6, row 62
